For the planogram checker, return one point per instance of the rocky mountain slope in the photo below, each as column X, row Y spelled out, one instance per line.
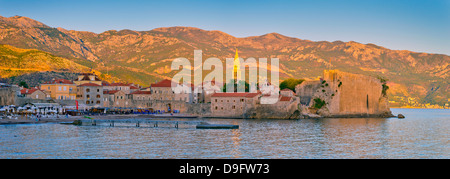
column 145, row 56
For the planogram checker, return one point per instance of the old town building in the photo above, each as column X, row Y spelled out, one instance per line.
column 60, row 89
column 90, row 94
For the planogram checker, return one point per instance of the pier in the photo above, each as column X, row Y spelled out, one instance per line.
column 154, row 123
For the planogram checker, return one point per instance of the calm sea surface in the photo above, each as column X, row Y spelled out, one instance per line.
column 424, row 133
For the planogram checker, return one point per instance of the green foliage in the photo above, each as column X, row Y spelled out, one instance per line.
column 290, row 83
column 385, row 87
column 23, row 84
column 318, row 103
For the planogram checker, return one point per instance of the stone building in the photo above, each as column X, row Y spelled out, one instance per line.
column 163, row 90
column 127, row 88
column 342, row 94
column 115, row 99
column 208, row 89
column 33, row 93
column 287, row 92
column 8, row 94
column 141, row 99
column 233, row 104
column 90, row 94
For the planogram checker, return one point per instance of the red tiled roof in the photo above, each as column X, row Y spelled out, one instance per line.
column 133, row 87
column 28, row 91
column 247, row 95
column 89, row 84
column 141, row 92
column 285, row 98
column 163, row 83
column 111, row 92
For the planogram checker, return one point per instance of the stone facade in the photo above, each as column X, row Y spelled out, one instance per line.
column 346, row 95
column 115, row 98
column 90, row 94
column 33, row 93
column 8, row 94
column 233, row 104
column 306, row 91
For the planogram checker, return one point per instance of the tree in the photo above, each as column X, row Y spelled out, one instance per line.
column 23, row 84
column 290, row 83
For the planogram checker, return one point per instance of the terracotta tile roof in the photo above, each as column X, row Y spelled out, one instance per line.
column 28, row 91
column 246, row 95
column 89, row 84
column 141, row 92
column 111, row 92
column 285, row 98
column 163, row 83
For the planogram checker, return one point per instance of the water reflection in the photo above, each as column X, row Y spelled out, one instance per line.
column 417, row 136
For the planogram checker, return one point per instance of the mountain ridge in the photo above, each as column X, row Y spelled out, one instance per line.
column 145, row 56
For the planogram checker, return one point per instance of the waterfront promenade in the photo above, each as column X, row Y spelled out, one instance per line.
column 63, row 118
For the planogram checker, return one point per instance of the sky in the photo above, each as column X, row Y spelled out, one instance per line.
column 420, row 26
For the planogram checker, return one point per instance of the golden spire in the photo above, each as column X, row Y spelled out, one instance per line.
column 236, row 65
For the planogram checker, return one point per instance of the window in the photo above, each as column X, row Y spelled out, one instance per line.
column 88, row 90
column 234, row 107
column 98, row 96
column 87, row 102
column 59, row 88
column 98, row 102
column 98, row 90
column 88, row 97
column 37, row 96
column 65, row 88
column 216, row 107
column 242, row 100
column 216, row 100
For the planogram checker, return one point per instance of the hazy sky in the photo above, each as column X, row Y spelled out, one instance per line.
column 422, row 26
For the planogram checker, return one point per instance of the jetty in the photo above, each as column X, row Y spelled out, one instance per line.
column 152, row 123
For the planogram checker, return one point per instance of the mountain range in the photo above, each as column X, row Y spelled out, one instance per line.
column 144, row 57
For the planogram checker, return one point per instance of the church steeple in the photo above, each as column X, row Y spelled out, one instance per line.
column 236, row 66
